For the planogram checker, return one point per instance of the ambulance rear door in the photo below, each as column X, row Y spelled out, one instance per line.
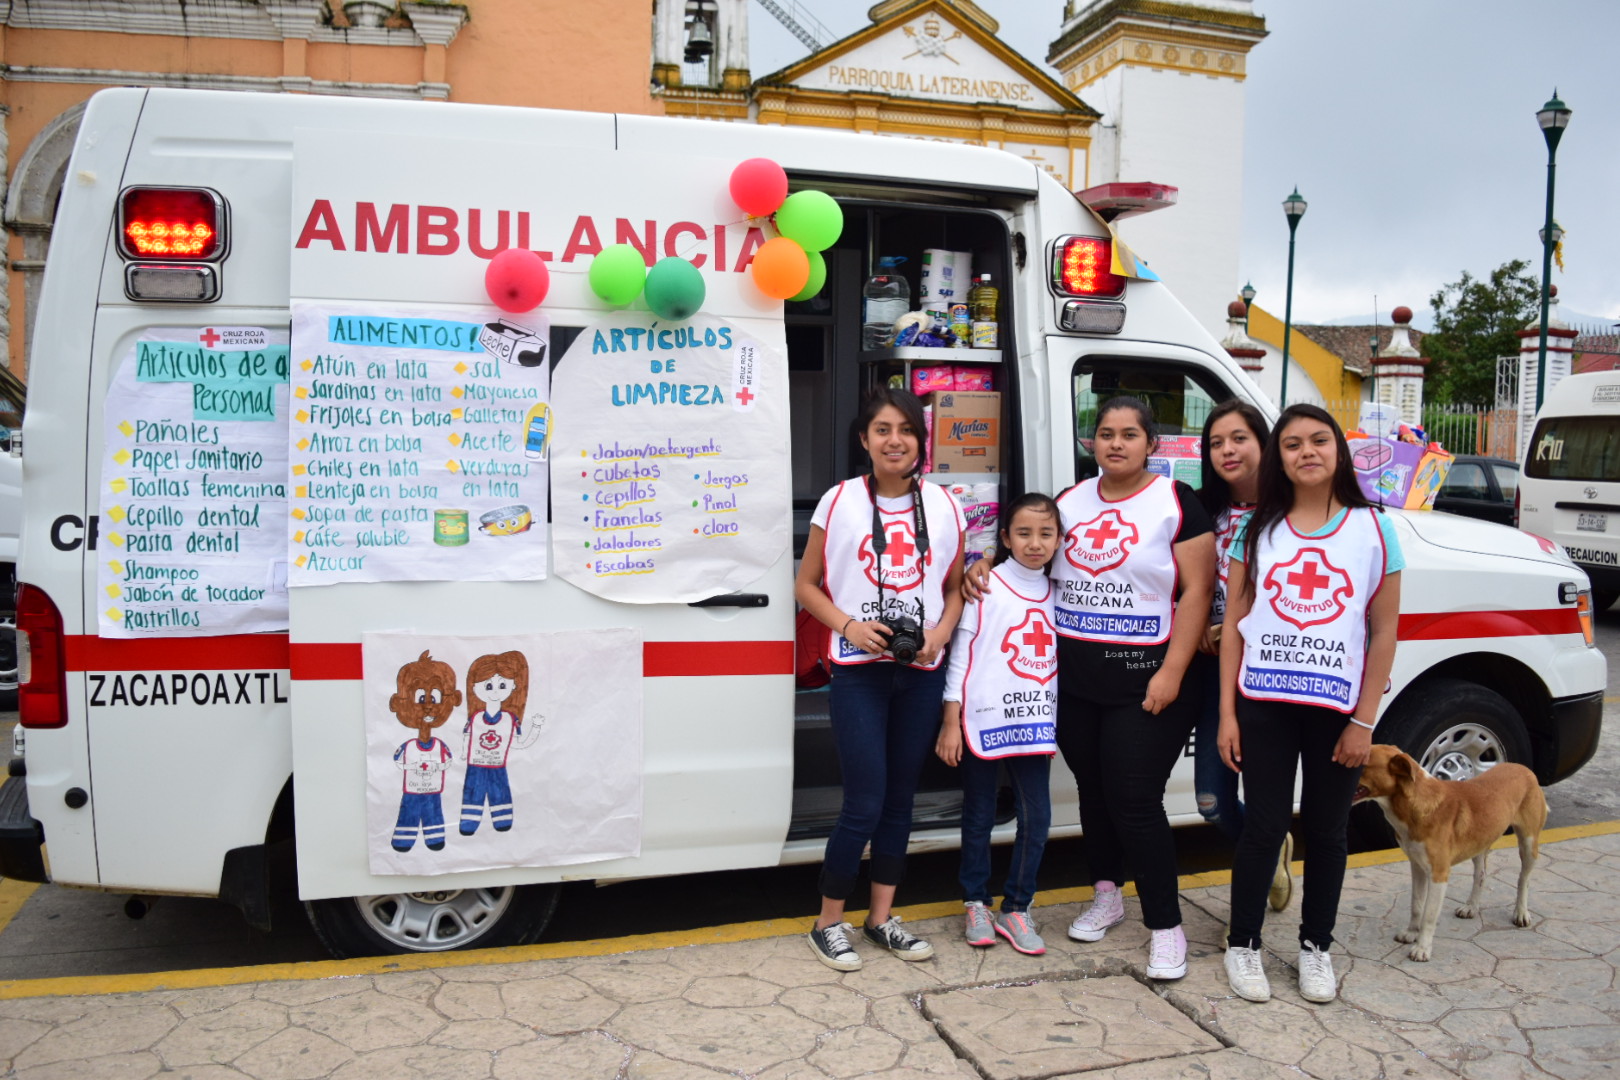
column 395, row 211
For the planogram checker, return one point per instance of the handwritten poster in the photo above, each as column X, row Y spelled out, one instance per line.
column 487, row 752
column 670, row 463
column 419, row 444
column 193, row 486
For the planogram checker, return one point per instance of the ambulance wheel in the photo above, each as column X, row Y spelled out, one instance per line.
column 1456, row 730
column 435, row 920
column 1603, row 599
column 8, row 662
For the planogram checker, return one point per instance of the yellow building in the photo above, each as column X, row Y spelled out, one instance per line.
column 54, row 54
column 923, row 69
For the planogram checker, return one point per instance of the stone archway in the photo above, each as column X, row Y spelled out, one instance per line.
column 30, row 213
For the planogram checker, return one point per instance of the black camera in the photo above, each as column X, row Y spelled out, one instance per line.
column 905, row 637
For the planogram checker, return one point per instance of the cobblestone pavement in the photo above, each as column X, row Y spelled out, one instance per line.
column 1495, row 1003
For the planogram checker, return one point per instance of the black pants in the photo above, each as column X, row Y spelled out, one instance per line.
column 1275, row 737
column 1121, row 757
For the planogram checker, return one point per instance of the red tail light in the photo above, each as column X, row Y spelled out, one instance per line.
column 1082, row 268
column 42, row 689
column 171, row 223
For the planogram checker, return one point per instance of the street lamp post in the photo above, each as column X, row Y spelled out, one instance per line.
column 1248, row 293
column 1294, row 208
column 1553, row 118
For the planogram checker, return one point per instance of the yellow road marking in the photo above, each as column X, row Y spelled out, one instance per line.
column 13, row 894
column 82, row 985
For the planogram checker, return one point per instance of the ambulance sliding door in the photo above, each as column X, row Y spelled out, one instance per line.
column 640, row 734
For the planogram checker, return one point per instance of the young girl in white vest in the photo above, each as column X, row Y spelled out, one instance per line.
column 1307, row 645
column 1235, row 434
column 1001, row 704
column 882, row 571
column 1131, row 538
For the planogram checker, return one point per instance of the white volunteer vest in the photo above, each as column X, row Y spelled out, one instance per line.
column 1227, row 523
column 1305, row 637
column 488, row 743
column 1009, row 694
column 1116, row 571
column 911, row 583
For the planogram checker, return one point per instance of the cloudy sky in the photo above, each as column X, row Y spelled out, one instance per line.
column 1410, row 129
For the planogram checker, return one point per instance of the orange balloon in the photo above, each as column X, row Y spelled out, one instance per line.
column 780, row 268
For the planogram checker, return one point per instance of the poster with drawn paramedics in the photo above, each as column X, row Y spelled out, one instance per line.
column 419, row 437
column 487, row 752
column 670, row 462
column 193, row 485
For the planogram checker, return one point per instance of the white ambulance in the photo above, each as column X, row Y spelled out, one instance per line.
column 1569, row 490
column 168, row 762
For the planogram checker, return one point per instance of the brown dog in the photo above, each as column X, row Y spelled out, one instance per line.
column 1440, row 823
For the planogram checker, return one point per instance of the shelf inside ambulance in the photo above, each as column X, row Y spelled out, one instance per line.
column 929, row 354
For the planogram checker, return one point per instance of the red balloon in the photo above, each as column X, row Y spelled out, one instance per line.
column 517, row 280
column 758, row 185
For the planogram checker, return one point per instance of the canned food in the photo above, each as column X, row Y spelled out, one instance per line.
column 507, row 521
column 450, row 527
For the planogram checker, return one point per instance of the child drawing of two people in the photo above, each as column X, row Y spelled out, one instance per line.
column 426, row 697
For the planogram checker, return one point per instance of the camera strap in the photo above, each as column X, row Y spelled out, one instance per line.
column 880, row 544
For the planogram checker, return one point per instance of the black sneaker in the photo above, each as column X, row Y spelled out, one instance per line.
column 892, row 936
column 831, row 946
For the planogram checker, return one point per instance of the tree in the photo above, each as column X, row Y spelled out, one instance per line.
column 1475, row 322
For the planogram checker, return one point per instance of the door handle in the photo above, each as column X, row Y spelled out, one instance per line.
column 735, row 599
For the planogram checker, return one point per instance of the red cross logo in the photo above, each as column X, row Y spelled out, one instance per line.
column 899, row 547
column 1308, row 590
column 209, row 338
column 1029, row 647
column 902, row 570
column 746, row 396
column 1100, row 544
column 1309, row 581
column 489, row 740
column 1101, row 535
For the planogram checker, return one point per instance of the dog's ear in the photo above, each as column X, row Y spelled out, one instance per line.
column 1402, row 766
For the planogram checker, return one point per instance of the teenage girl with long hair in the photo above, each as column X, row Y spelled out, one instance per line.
column 885, row 551
column 1125, row 639
column 1308, row 642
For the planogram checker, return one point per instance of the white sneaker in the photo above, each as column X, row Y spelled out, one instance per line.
column 1246, row 975
column 1167, row 954
column 1107, row 909
column 1316, row 981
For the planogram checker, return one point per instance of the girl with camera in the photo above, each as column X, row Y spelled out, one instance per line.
column 1125, row 638
column 1308, row 643
column 1000, row 702
column 882, row 571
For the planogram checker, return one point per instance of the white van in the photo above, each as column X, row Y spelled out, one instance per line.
column 1569, row 489
column 168, row 762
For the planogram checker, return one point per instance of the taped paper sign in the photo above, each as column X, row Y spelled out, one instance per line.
column 671, row 460
column 487, row 752
column 193, row 488
column 419, row 444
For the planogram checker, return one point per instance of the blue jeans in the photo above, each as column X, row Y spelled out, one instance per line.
column 1031, row 783
column 1217, row 786
column 885, row 718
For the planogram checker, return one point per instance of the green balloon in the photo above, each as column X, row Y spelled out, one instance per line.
column 617, row 274
column 675, row 289
column 818, row 277
column 813, row 218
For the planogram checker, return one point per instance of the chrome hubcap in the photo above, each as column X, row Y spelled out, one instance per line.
column 436, row 920
column 1462, row 752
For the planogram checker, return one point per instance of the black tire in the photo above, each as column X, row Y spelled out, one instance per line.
column 1455, row 729
column 433, row 920
column 1603, row 599
column 8, row 662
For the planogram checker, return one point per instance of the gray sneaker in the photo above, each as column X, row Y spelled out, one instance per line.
column 981, row 926
column 1020, row 933
column 898, row 940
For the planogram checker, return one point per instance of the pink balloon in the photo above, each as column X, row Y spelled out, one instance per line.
column 758, row 185
column 517, row 280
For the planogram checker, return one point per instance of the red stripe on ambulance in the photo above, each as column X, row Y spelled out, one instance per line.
column 1440, row 626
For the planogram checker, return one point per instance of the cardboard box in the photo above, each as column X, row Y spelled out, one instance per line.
column 967, row 431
